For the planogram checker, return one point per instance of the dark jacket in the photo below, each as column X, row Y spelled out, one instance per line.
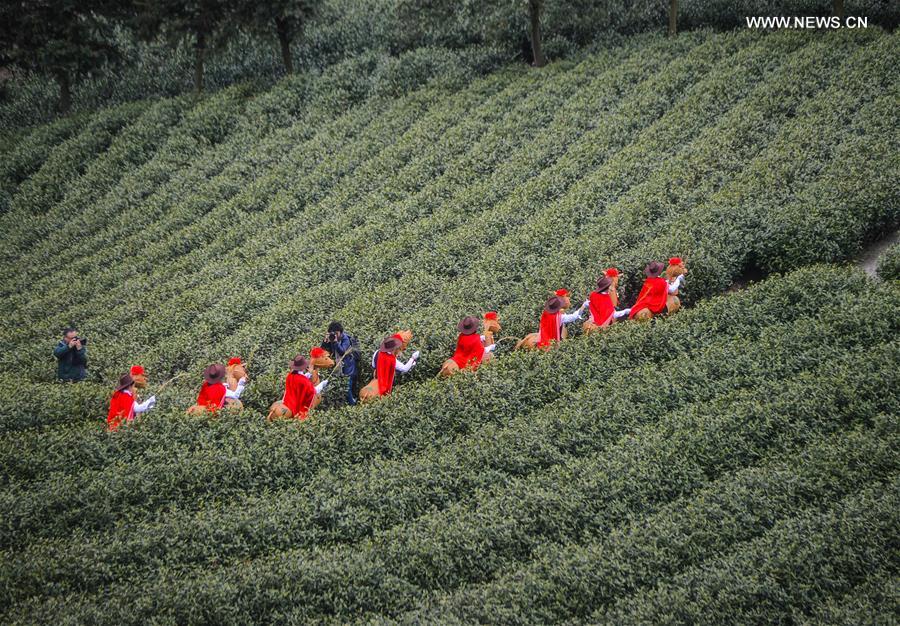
column 71, row 362
column 338, row 348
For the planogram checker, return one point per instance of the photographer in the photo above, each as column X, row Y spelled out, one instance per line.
column 344, row 347
column 71, row 354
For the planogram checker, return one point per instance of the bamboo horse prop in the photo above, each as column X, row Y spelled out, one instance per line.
column 468, row 326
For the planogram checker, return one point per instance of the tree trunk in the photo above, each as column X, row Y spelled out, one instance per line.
column 673, row 17
column 199, row 57
column 284, row 40
column 838, row 8
column 534, row 12
column 65, row 90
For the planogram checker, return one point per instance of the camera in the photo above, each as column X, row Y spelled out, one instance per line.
column 83, row 340
column 330, row 337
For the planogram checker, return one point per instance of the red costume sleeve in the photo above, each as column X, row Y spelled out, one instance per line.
column 121, row 407
column 653, row 296
column 385, row 367
column 212, row 396
column 602, row 308
column 469, row 351
column 549, row 328
column 299, row 393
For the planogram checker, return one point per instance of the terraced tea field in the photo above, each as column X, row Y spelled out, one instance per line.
column 736, row 462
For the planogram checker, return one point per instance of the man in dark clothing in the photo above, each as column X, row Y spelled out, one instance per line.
column 344, row 347
column 71, row 354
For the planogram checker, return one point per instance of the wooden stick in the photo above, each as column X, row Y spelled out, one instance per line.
column 166, row 384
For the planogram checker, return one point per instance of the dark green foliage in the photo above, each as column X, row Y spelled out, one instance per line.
column 63, row 39
column 889, row 263
column 737, row 460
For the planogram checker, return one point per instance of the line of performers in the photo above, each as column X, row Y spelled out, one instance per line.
column 223, row 384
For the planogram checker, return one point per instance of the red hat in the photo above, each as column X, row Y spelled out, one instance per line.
column 235, row 360
column 562, row 293
column 612, row 272
column 675, row 260
column 317, row 352
column 137, row 370
column 490, row 315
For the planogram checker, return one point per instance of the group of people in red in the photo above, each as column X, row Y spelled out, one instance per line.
column 223, row 385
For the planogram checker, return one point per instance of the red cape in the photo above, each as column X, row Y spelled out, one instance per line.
column 550, row 328
column 469, row 351
column 653, row 296
column 212, row 396
column 385, row 367
column 299, row 393
column 121, row 408
column 602, row 308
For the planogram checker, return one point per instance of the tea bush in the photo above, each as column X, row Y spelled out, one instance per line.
column 889, row 263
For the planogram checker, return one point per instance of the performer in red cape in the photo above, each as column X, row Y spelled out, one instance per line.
column 653, row 294
column 470, row 348
column 213, row 393
column 553, row 319
column 602, row 304
column 122, row 405
column 300, row 395
column 386, row 365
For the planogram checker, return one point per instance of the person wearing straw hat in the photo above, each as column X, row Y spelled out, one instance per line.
column 122, row 405
column 602, row 305
column 471, row 348
column 386, row 365
column 214, row 394
column 300, row 395
column 652, row 298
